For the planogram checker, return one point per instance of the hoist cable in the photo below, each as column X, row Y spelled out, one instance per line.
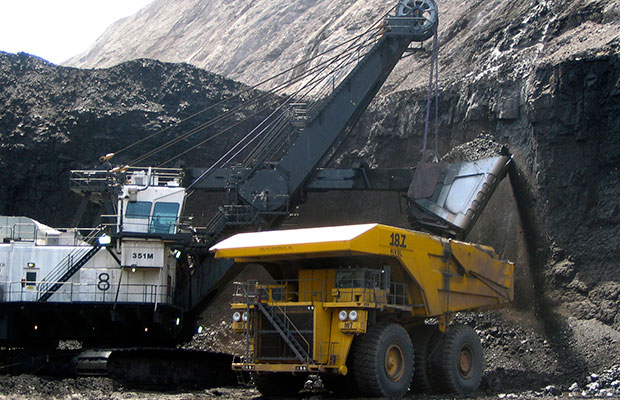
column 308, row 86
column 271, row 138
column 221, row 117
column 219, row 133
column 434, row 74
column 214, row 165
column 290, row 97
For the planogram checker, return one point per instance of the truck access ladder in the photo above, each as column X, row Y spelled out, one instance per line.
column 282, row 325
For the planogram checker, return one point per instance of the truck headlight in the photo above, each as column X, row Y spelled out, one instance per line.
column 237, row 316
column 244, row 317
column 353, row 315
column 342, row 315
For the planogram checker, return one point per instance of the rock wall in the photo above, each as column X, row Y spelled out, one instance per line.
column 477, row 37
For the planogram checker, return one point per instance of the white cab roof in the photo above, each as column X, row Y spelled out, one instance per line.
column 293, row 236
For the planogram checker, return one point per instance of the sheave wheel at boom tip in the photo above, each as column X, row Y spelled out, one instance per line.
column 425, row 14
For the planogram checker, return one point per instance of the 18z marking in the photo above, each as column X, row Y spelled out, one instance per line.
column 398, row 240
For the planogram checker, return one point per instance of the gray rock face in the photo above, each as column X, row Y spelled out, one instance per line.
column 244, row 40
column 247, row 40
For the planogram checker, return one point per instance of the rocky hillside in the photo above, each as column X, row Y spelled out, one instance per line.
column 477, row 37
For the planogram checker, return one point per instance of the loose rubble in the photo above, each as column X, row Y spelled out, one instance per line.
column 483, row 146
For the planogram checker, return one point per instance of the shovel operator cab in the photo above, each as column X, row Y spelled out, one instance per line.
column 353, row 305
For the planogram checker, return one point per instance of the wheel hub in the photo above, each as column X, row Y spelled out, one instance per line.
column 466, row 361
column 394, row 362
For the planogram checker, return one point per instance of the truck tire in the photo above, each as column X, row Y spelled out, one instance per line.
column 423, row 375
column 383, row 361
column 459, row 360
column 278, row 384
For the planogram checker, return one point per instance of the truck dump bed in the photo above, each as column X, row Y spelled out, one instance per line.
column 441, row 275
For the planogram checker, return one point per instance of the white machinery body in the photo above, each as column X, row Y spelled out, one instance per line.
column 140, row 267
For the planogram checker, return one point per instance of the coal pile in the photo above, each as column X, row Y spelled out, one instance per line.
column 54, row 119
column 483, row 146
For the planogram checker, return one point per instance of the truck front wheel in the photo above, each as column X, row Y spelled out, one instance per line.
column 383, row 361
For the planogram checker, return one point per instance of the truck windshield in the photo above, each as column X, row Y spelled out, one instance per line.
column 362, row 278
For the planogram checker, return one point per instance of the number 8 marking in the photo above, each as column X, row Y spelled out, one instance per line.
column 104, row 281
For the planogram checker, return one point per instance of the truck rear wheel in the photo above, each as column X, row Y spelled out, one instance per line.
column 423, row 376
column 278, row 384
column 383, row 361
column 459, row 360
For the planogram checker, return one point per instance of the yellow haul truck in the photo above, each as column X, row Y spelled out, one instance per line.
column 356, row 303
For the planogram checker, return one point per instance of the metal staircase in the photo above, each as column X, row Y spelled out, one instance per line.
column 283, row 327
column 69, row 265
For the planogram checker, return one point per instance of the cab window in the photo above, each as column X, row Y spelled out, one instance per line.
column 164, row 217
column 138, row 209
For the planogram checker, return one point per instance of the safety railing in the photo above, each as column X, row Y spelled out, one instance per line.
column 102, row 291
column 371, row 286
column 270, row 300
column 100, row 179
column 287, row 329
column 299, row 114
column 162, row 175
column 239, row 214
column 280, row 292
column 398, row 295
column 90, row 179
column 243, row 214
column 154, row 224
column 20, row 232
column 28, row 232
column 347, row 290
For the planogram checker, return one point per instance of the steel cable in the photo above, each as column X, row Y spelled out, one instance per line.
column 286, row 84
column 223, row 116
